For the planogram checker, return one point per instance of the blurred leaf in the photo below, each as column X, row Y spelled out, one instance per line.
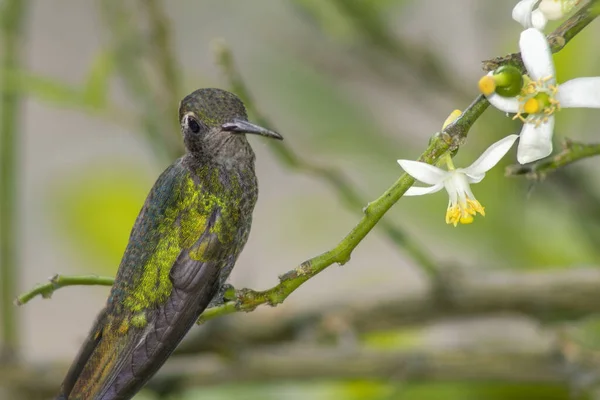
column 385, row 390
column 95, row 210
column 578, row 49
column 276, row 391
column 48, row 89
column 95, row 91
column 484, row 391
column 363, row 389
column 394, row 339
column 326, row 16
column 339, row 23
column 334, row 121
column 585, row 333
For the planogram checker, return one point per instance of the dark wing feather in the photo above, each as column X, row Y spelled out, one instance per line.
column 84, row 354
column 115, row 365
column 170, row 322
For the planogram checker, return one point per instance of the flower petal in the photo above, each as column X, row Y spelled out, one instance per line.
column 474, row 178
column 423, row 172
column 522, row 12
column 506, row 104
column 552, row 9
column 539, row 20
column 580, row 92
column 536, row 55
column 490, row 157
column 535, row 142
column 420, row 190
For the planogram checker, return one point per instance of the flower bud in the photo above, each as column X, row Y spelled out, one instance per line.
column 509, row 81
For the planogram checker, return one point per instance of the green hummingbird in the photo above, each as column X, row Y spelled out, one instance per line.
column 183, row 246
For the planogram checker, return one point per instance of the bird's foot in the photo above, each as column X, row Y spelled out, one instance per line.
column 225, row 294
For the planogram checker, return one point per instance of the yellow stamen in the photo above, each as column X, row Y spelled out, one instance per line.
column 451, row 118
column 487, row 85
column 464, row 213
column 532, row 106
column 466, row 219
column 476, row 207
column 538, row 101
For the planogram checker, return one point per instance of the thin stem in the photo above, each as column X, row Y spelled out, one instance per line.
column 334, row 178
column 448, row 140
column 13, row 17
column 160, row 47
column 557, row 39
column 59, row 281
column 129, row 53
column 572, row 152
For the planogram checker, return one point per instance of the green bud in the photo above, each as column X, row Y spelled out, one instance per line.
column 509, row 81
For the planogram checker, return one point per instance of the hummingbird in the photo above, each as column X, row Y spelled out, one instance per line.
column 181, row 250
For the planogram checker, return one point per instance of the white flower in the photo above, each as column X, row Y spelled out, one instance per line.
column 541, row 97
column 526, row 13
column 462, row 205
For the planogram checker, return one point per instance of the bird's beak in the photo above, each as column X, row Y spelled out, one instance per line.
column 241, row 126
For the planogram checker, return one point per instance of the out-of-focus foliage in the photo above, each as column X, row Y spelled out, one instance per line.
column 365, row 390
column 95, row 210
column 322, row 102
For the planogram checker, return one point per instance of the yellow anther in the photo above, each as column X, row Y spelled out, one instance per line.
column 466, row 219
column 532, row 106
column 530, row 88
column 487, row 85
column 464, row 212
column 476, row 207
column 453, row 215
column 451, row 118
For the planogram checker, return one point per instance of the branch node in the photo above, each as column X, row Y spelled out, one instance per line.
column 343, row 259
column 303, row 270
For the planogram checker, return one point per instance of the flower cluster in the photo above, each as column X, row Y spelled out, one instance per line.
column 536, row 14
column 533, row 98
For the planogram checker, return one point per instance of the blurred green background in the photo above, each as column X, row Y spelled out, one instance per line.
column 350, row 84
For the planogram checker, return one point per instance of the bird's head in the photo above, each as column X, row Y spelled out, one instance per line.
column 214, row 124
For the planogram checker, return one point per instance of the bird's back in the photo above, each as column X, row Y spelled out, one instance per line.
column 183, row 245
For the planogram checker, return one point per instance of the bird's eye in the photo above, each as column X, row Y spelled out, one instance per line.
column 193, row 125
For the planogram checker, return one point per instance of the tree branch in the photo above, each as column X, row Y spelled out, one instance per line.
column 320, row 362
column 557, row 39
column 572, row 151
column 543, row 295
column 449, row 140
column 293, row 362
column 46, row 290
column 129, row 52
column 160, row 47
column 333, row 177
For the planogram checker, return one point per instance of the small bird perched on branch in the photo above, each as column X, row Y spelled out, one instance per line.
column 182, row 248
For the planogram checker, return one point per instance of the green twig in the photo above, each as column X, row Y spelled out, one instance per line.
column 13, row 17
column 59, row 281
column 557, row 39
column 424, row 63
column 447, row 141
column 160, row 47
column 129, row 53
column 572, row 151
column 333, row 177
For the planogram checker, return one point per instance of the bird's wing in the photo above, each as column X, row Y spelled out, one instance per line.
column 125, row 349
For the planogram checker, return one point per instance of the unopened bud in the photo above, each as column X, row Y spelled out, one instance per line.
column 509, row 81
